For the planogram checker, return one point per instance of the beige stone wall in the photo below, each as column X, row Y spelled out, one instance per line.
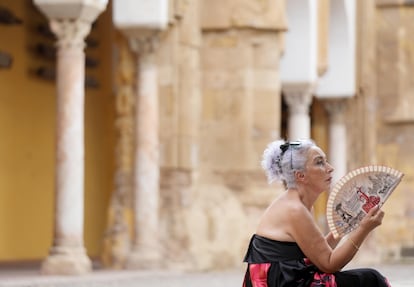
column 396, row 116
column 382, row 113
column 180, row 96
column 220, row 106
column 180, row 87
column 252, row 14
column 241, row 97
column 323, row 35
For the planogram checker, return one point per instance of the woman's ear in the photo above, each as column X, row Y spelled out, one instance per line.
column 299, row 175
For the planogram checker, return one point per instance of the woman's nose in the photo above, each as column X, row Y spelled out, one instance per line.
column 330, row 168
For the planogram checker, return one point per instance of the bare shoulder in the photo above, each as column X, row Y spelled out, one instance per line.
column 285, row 206
column 282, row 218
column 298, row 211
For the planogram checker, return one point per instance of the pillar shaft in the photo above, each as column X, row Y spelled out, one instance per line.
column 68, row 255
column 145, row 251
column 70, row 139
column 71, row 22
column 337, row 137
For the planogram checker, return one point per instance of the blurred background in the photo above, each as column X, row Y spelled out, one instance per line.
column 132, row 131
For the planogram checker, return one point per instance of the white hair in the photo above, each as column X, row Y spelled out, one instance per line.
column 281, row 158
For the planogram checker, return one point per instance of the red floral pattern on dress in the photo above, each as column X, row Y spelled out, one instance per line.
column 321, row 279
column 258, row 274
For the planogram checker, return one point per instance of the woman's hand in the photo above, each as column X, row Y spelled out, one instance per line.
column 373, row 219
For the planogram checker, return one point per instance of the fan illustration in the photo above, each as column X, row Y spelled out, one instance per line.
column 356, row 193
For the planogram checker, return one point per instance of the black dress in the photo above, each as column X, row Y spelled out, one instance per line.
column 274, row 263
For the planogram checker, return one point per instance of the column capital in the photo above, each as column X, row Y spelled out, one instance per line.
column 144, row 44
column 336, row 109
column 71, row 20
column 298, row 88
column 298, row 96
column 70, row 33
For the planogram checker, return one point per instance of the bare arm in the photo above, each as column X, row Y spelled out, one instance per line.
column 332, row 241
column 317, row 248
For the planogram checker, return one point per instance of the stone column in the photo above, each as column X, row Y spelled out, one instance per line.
column 298, row 97
column 117, row 241
column 145, row 249
column 337, row 136
column 68, row 255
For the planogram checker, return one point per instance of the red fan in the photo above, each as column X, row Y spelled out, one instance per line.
column 356, row 193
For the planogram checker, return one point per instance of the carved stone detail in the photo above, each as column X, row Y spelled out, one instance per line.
column 336, row 110
column 298, row 98
column 145, row 45
column 70, row 33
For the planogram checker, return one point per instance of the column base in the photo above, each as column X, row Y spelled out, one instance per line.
column 66, row 261
column 143, row 259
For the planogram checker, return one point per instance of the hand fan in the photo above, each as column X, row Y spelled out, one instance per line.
column 356, row 193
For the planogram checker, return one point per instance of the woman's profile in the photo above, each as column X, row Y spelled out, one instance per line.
column 288, row 249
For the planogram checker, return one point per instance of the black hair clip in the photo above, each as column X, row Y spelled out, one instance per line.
column 284, row 147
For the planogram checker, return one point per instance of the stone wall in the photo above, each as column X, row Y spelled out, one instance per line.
column 220, row 106
column 382, row 112
column 395, row 54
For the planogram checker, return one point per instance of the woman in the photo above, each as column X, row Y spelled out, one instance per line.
column 288, row 248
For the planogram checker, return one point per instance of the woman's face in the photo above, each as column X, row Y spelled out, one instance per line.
column 318, row 172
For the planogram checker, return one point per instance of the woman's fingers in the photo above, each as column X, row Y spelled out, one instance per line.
column 377, row 216
column 373, row 210
column 373, row 218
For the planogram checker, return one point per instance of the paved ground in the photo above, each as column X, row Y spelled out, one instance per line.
column 401, row 275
